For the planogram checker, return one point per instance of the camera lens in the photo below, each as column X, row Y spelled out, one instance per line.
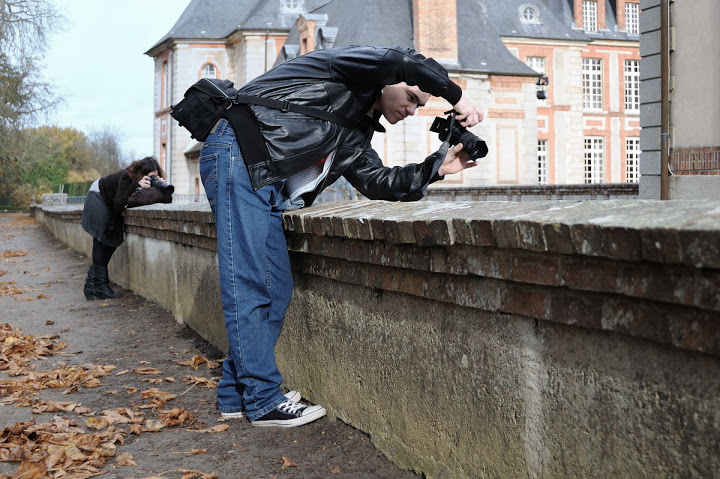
column 473, row 146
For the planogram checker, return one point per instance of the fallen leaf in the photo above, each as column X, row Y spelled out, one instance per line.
column 287, row 462
column 214, row 429
column 146, row 371
column 153, row 425
column 11, row 253
column 335, row 469
column 125, row 459
column 193, row 452
column 96, row 423
column 195, row 362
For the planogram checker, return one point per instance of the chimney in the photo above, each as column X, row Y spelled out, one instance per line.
column 308, row 25
column 435, row 28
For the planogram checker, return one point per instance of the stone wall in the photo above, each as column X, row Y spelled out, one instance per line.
column 481, row 339
column 601, row 191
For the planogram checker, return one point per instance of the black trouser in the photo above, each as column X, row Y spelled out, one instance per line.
column 101, row 253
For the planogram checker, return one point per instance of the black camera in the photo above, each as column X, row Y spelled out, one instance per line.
column 166, row 188
column 473, row 146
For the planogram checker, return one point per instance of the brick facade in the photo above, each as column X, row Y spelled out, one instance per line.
column 433, row 21
column 695, row 160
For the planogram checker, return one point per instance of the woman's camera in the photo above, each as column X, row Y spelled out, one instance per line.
column 473, row 146
column 166, row 188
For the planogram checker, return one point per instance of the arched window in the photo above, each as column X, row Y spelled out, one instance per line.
column 529, row 14
column 209, row 71
column 292, row 6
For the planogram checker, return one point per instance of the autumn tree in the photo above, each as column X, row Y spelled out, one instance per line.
column 24, row 25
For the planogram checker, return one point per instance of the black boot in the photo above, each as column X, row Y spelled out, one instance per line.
column 90, row 284
column 102, row 283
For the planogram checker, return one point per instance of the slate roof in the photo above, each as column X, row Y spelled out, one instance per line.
column 388, row 23
column 554, row 20
column 481, row 26
column 218, row 19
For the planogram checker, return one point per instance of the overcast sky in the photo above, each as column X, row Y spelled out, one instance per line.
column 97, row 64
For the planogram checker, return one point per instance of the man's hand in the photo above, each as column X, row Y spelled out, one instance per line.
column 467, row 114
column 455, row 161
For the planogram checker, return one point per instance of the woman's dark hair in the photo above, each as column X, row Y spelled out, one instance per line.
column 140, row 168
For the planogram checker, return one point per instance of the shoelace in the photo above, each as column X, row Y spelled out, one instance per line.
column 291, row 407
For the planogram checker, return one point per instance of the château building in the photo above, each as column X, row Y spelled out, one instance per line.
column 558, row 79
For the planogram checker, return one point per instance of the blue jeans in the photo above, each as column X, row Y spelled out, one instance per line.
column 255, row 277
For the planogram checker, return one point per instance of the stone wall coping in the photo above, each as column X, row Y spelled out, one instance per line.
column 659, row 231
column 676, row 231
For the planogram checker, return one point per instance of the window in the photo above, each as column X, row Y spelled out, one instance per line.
column 594, row 159
column 632, row 18
column 632, row 160
column 529, row 14
column 542, row 162
column 209, row 71
column 165, row 95
column 590, row 15
column 592, row 84
column 632, row 85
column 537, row 63
column 292, row 6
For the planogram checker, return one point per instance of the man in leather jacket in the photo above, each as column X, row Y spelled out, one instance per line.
column 278, row 158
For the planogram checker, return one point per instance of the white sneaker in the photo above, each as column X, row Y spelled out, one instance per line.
column 290, row 414
column 226, row 416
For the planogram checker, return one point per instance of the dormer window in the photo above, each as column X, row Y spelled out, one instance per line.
column 208, row 71
column 292, row 6
column 632, row 19
column 529, row 14
column 590, row 15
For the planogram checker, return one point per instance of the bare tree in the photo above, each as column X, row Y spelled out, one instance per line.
column 24, row 26
column 107, row 154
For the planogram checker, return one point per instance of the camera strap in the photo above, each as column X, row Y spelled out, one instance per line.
column 445, row 147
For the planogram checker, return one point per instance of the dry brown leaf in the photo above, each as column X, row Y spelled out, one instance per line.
column 213, row 429
column 195, row 362
column 96, row 423
column 146, row 371
column 8, row 289
column 193, row 452
column 131, row 389
column 31, row 470
column 176, row 417
column 202, row 382
column 13, row 253
column 287, row 462
column 335, row 470
column 125, row 459
column 153, row 425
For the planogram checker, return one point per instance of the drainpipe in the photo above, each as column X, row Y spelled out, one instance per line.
column 665, row 100
column 169, row 157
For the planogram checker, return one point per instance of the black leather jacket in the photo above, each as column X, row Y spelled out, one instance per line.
column 346, row 81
